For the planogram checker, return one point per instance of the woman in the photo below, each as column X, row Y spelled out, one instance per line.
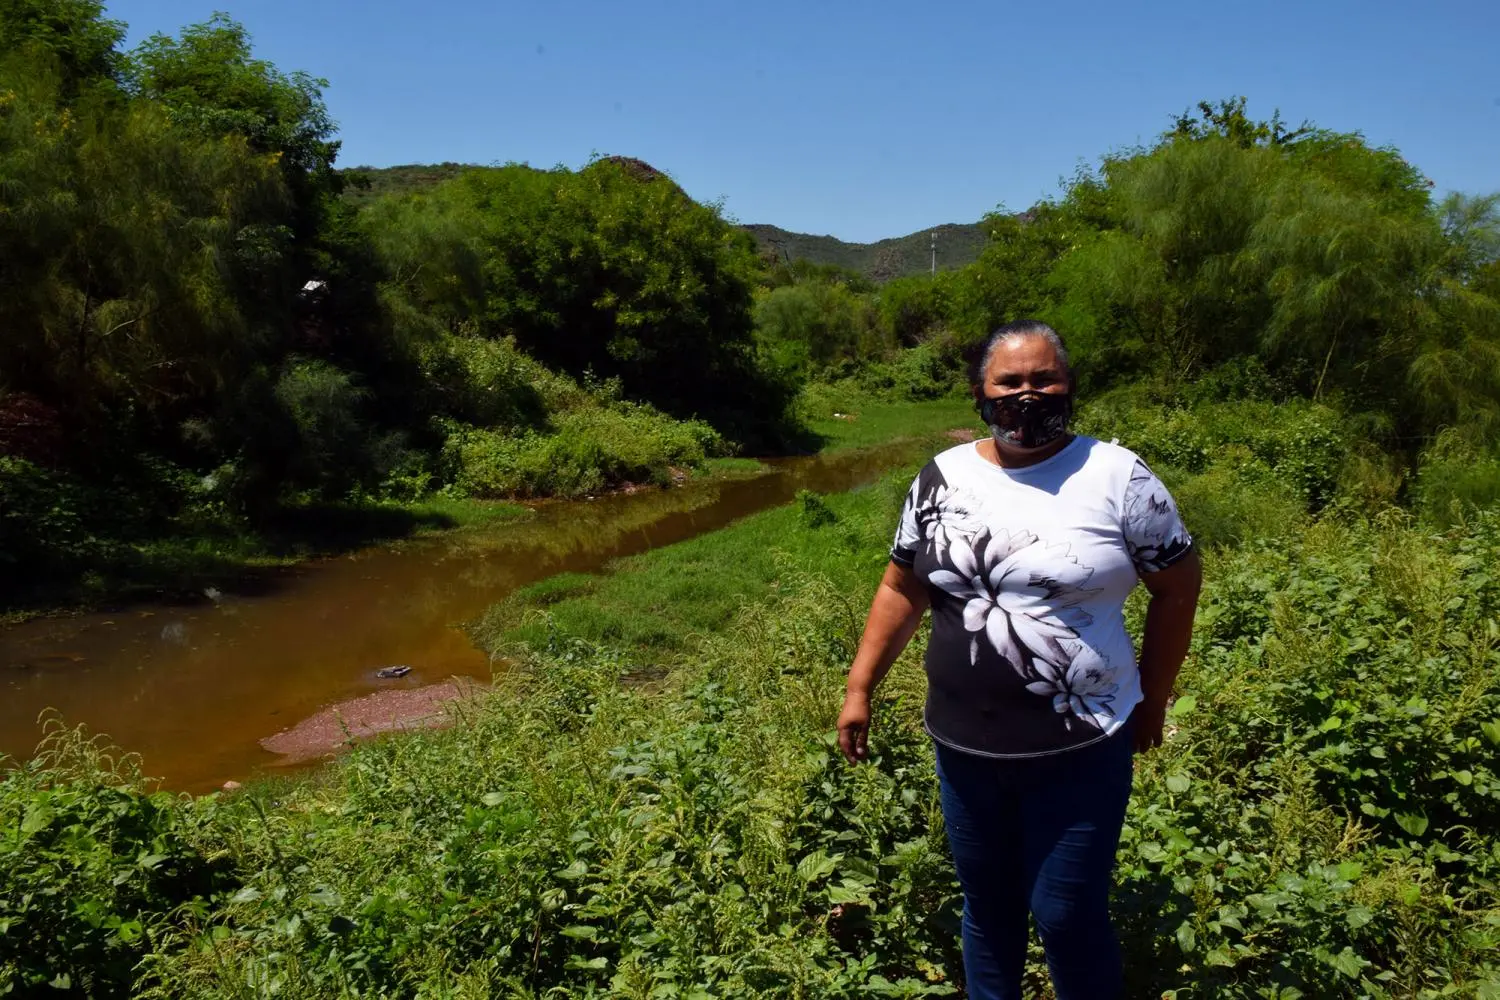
column 1025, row 546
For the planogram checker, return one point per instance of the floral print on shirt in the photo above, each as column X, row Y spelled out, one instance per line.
column 1016, row 606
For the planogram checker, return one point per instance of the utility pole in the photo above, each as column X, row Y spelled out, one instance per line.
column 934, row 254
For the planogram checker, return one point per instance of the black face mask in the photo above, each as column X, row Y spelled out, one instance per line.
column 1027, row 419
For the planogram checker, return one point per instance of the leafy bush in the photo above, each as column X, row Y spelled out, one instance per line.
column 1229, row 507
column 44, row 530
column 609, row 268
column 93, row 870
column 1316, row 825
column 584, row 451
column 809, row 328
column 493, row 383
column 1315, row 830
column 930, row 370
column 1454, row 479
column 1298, row 447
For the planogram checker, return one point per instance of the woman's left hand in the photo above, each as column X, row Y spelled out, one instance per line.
column 1148, row 721
column 1169, row 630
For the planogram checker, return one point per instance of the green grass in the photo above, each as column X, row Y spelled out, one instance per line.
column 866, row 424
column 728, row 468
column 660, row 603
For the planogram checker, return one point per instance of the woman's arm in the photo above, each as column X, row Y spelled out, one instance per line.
column 894, row 616
column 1169, row 629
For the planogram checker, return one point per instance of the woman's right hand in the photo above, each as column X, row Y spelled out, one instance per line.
column 854, row 727
column 894, row 616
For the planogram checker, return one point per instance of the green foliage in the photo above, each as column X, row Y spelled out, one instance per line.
column 930, row 370
column 599, row 270
column 43, row 526
column 74, row 34
column 780, row 273
column 810, row 328
column 585, row 451
column 335, row 450
column 116, row 294
column 815, row 510
column 1227, row 119
column 1455, row 480
column 187, row 301
column 1315, row 824
column 212, row 85
column 910, row 308
column 787, row 257
column 93, row 869
column 1319, row 822
column 1296, row 449
column 492, row 383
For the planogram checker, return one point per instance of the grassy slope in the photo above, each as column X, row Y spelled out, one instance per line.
column 875, row 423
column 659, row 602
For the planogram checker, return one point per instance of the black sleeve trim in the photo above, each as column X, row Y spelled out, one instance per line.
column 1168, row 557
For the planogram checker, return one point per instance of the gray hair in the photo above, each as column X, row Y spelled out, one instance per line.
column 1015, row 331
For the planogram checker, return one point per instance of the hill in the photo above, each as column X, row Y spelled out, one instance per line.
column 957, row 243
column 366, row 184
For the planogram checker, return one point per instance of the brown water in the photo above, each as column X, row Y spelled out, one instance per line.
column 193, row 689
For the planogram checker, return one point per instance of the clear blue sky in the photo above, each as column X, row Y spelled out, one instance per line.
column 872, row 119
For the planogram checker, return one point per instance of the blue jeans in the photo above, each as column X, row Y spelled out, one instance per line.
column 1038, row 835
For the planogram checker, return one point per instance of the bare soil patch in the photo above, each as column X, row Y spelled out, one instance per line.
column 336, row 726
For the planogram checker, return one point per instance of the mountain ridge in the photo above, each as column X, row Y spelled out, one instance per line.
column 894, row 257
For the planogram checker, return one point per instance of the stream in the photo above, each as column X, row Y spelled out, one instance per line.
column 194, row 688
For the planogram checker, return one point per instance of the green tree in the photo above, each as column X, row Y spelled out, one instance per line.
column 1313, row 254
column 74, row 33
column 212, row 86
column 813, row 327
column 1472, row 225
column 603, row 270
column 116, row 286
column 1227, row 119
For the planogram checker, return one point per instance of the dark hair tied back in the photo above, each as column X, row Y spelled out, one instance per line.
column 980, row 360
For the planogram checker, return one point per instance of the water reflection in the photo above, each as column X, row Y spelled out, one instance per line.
column 192, row 689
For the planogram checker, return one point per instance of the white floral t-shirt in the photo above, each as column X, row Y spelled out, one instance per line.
column 1028, row 570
